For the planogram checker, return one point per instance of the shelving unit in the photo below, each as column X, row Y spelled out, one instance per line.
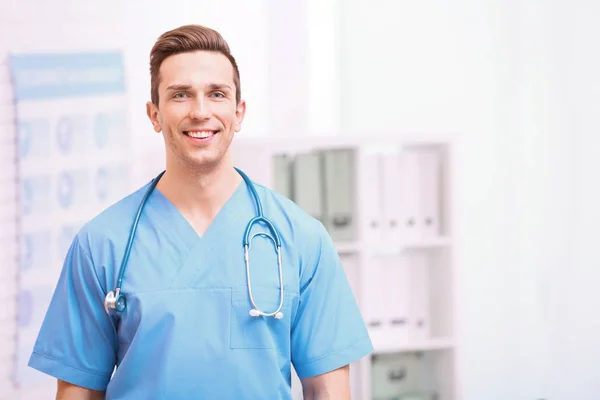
column 386, row 204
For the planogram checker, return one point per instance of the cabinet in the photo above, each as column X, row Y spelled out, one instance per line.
column 387, row 205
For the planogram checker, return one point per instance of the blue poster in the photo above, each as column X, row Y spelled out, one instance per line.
column 74, row 161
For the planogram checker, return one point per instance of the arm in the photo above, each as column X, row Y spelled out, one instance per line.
column 334, row 385
column 77, row 341
column 69, row 391
column 328, row 333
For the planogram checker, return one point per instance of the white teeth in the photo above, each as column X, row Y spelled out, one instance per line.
column 200, row 135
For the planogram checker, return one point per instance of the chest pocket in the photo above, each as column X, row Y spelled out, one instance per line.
column 248, row 332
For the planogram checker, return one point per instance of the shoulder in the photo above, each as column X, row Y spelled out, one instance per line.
column 277, row 205
column 306, row 232
column 111, row 223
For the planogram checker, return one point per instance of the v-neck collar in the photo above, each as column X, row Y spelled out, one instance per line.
column 173, row 216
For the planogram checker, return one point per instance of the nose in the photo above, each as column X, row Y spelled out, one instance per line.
column 200, row 109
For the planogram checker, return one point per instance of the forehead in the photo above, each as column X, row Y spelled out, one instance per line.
column 197, row 69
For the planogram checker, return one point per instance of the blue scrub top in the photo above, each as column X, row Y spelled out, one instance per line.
column 186, row 332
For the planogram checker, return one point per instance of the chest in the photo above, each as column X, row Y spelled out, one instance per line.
column 198, row 301
column 164, row 263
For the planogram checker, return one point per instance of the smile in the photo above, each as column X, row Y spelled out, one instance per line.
column 200, row 134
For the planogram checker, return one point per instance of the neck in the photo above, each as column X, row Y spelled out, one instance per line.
column 199, row 194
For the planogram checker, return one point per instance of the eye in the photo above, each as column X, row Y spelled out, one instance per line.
column 180, row 95
column 219, row 94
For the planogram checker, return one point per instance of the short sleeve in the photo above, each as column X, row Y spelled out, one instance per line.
column 77, row 339
column 329, row 331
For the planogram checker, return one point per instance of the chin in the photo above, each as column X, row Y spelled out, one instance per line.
column 204, row 161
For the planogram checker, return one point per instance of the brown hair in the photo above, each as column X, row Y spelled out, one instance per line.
column 185, row 39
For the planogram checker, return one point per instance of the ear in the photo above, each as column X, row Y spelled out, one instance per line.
column 239, row 115
column 152, row 112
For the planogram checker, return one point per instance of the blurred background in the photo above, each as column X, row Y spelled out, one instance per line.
column 509, row 84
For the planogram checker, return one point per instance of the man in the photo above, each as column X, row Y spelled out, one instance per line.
column 186, row 326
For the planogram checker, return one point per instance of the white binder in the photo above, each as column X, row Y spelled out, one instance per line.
column 308, row 184
column 409, row 197
column 397, row 299
column 338, row 166
column 392, row 198
column 370, row 176
column 430, row 191
column 420, row 326
column 374, row 299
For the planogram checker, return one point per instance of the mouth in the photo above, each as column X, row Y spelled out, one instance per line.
column 201, row 135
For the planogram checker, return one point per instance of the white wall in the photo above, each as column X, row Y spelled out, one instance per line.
column 514, row 82
column 576, row 332
column 438, row 67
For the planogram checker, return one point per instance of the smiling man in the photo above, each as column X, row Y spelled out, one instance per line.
column 189, row 318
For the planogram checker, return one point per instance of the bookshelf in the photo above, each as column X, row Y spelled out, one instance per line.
column 387, row 205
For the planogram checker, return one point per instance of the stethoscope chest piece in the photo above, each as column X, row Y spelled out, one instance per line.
column 114, row 301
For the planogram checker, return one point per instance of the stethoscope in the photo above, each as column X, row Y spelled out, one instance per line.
column 116, row 300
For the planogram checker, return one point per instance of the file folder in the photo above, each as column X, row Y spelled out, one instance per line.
column 308, row 184
column 282, row 175
column 392, row 201
column 339, row 175
column 370, row 176
column 430, row 190
column 419, row 298
column 410, row 196
column 397, row 298
column 374, row 300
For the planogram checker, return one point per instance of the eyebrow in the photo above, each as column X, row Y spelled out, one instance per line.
column 219, row 86
column 178, row 87
column 212, row 86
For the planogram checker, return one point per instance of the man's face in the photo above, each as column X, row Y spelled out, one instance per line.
column 197, row 110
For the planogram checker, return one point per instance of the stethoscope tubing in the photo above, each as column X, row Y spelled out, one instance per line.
column 116, row 300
